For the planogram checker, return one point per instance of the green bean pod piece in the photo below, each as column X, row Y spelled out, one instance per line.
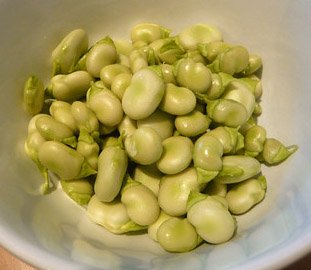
column 275, row 152
column 70, row 87
column 79, row 190
column 112, row 166
column 52, row 130
column 112, row 216
column 192, row 124
column 177, row 235
column 140, row 202
column 68, row 52
column 194, row 76
column 177, row 100
column 175, row 189
column 244, row 195
column 61, row 112
column 149, row 176
column 210, row 217
column 144, row 138
column 176, row 155
column 195, row 34
column 148, row 32
column 64, row 161
column 143, row 95
column 108, row 73
column 238, row 168
column 101, row 54
column 33, row 95
column 161, row 122
column 106, row 106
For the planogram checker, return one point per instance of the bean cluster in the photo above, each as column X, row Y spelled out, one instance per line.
column 157, row 133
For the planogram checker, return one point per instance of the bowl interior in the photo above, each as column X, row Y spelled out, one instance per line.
column 52, row 232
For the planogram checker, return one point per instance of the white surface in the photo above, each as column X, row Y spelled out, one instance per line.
column 50, row 232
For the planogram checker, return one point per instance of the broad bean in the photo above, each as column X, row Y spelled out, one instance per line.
column 176, row 155
column 88, row 148
column 127, row 126
column 112, row 166
column 52, row 130
column 102, row 54
column 175, row 189
column 153, row 228
column 64, row 161
column 275, row 152
column 148, row 175
column 111, row 215
column 231, row 140
column 70, row 87
column 148, row 32
column 143, row 95
column 237, row 168
column 106, row 106
column 254, row 140
column 210, row 217
column 191, row 36
column 192, row 124
column 84, row 117
column 120, row 83
column 61, row 112
column 177, row 100
column 244, row 195
column 141, row 139
column 194, row 76
column 140, row 202
column 68, row 52
column 161, row 122
column 108, row 73
column 177, row 235
column 228, row 112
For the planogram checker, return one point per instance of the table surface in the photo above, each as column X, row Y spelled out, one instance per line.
column 9, row 262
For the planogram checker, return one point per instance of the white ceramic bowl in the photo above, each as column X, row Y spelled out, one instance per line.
column 51, row 232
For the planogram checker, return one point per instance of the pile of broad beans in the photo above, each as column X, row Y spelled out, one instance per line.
column 158, row 133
